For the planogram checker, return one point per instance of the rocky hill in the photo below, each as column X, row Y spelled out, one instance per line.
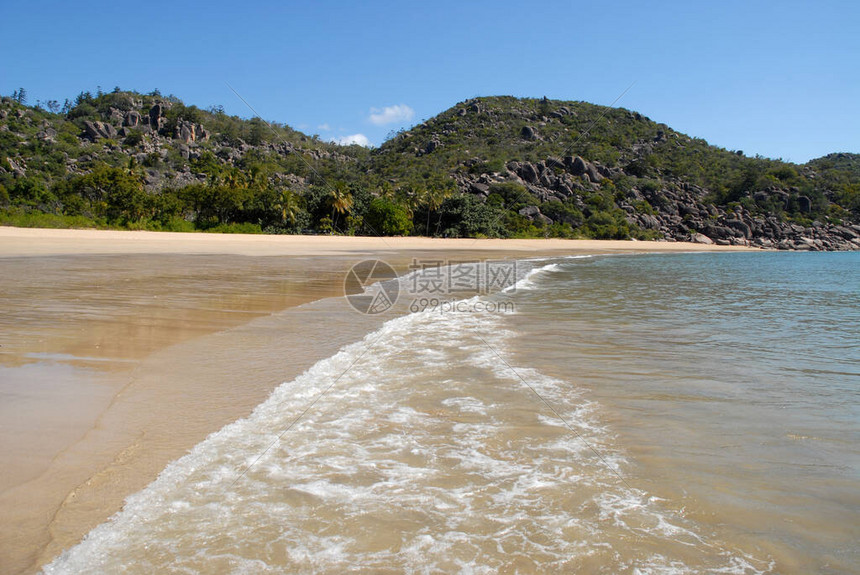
column 497, row 166
column 575, row 162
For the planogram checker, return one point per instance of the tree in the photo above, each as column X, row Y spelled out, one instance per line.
column 234, row 178
column 425, row 198
column 112, row 192
column 341, row 201
column 409, row 197
column 257, row 131
column 288, row 206
column 20, row 96
column 31, row 191
column 386, row 190
column 544, row 106
column 434, row 198
column 386, row 218
column 213, row 204
column 463, row 215
column 83, row 97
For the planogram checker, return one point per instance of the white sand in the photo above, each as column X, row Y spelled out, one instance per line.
column 37, row 241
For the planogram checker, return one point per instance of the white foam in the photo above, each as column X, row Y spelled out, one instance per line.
column 529, row 280
column 429, row 435
column 466, row 404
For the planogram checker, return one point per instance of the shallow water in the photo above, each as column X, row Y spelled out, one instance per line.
column 732, row 383
column 647, row 414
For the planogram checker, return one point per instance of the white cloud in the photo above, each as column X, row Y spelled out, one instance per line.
column 359, row 139
column 324, row 128
column 391, row 114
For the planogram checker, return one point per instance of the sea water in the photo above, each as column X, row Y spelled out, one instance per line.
column 626, row 414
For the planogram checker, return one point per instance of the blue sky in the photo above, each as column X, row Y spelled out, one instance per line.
column 780, row 79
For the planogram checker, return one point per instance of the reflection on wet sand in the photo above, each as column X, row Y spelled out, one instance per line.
column 102, row 385
column 124, row 362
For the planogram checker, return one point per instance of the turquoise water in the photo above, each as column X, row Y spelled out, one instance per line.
column 632, row 414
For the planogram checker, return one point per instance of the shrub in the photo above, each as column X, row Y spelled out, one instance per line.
column 643, row 207
column 512, row 195
column 386, row 218
column 31, row 191
column 466, row 216
column 175, row 224
column 28, row 219
column 134, row 138
column 565, row 213
column 236, row 228
column 608, row 226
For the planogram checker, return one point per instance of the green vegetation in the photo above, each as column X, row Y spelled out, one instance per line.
column 146, row 161
column 388, row 218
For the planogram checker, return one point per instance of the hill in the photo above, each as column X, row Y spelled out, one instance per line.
column 497, row 166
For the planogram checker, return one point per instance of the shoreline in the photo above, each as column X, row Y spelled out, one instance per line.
column 49, row 241
column 130, row 371
column 117, row 452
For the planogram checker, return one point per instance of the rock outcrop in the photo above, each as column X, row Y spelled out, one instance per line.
column 97, row 130
column 156, row 117
column 188, row 132
column 131, row 119
column 679, row 213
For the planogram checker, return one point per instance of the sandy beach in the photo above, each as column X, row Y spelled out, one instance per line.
column 122, row 350
column 40, row 242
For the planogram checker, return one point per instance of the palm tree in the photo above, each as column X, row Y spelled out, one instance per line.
column 234, row 178
column 288, row 205
column 386, row 191
column 341, row 201
column 432, row 199
column 439, row 196
column 257, row 177
column 409, row 197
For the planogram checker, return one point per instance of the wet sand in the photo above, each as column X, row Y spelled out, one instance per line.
column 119, row 351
